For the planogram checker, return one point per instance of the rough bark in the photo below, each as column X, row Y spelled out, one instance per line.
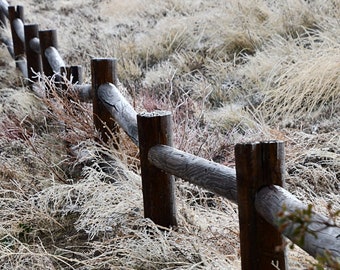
column 54, row 59
column 34, row 64
column 158, row 187
column 104, row 70
column 258, row 164
column 84, row 92
column 199, row 171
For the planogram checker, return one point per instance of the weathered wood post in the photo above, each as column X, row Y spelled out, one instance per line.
column 15, row 13
column 73, row 75
column 104, row 70
column 33, row 56
column 48, row 38
column 158, row 187
column 16, row 19
column 258, row 165
column 120, row 109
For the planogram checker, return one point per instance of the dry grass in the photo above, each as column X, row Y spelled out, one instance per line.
column 229, row 73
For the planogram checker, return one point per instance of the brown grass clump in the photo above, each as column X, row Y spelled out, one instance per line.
column 314, row 93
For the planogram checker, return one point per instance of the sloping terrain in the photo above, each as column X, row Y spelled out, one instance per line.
column 229, row 71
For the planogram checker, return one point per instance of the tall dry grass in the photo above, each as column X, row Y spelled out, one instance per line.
column 228, row 71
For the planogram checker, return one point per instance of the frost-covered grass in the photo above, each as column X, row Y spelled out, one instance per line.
column 229, row 72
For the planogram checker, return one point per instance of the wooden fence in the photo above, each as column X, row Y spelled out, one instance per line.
column 255, row 185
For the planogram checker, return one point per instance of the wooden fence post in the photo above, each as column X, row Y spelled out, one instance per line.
column 258, row 165
column 104, row 70
column 158, row 187
column 48, row 38
column 18, row 44
column 2, row 19
column 33, row 57
column 16, row 18
column 73, row 73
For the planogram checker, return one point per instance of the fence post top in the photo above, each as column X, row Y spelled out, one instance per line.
column 157, row 113
column 255, row 143
column 47, row 30
column 98, row 59
column 30, row 24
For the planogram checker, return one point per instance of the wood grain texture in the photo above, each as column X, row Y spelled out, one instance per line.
column 269, row 202
column 104, row 70
column 158, row 187
column 33, row 57
column 14, row 15
column 48, row 38
column 199, row 171
column 18, row 26
column 257, row 165
column 120, row 109
column 54, row 59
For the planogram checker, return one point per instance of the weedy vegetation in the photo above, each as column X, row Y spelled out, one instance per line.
column 229, row 71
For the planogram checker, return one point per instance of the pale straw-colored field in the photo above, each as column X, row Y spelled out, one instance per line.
column 229, row 71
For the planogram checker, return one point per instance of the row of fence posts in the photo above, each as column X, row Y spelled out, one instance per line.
column 259, row 165
column 34, row 51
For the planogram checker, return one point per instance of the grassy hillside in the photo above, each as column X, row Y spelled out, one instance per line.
column 229, row 71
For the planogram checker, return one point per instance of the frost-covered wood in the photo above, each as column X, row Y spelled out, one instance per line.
column 18, row 26
column 34, row 44
column 84, row 92
column 104, row 70
column 120, row 109
column 54, row 59
column 270, row 201
column 258, row 164
column 199, row 171
column 47, row 39
column 33, row 57
column 16, row 18
column 158, row 187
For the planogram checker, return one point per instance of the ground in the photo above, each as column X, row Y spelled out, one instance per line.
column 228, row 72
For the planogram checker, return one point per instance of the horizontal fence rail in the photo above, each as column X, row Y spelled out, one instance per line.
column 321, row 235
column 54, row 59
column 120, row 109
column 212, row 176
column 255, row 185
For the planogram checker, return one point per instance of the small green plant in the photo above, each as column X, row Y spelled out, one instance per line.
column 302, row 219
column 326, row 260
